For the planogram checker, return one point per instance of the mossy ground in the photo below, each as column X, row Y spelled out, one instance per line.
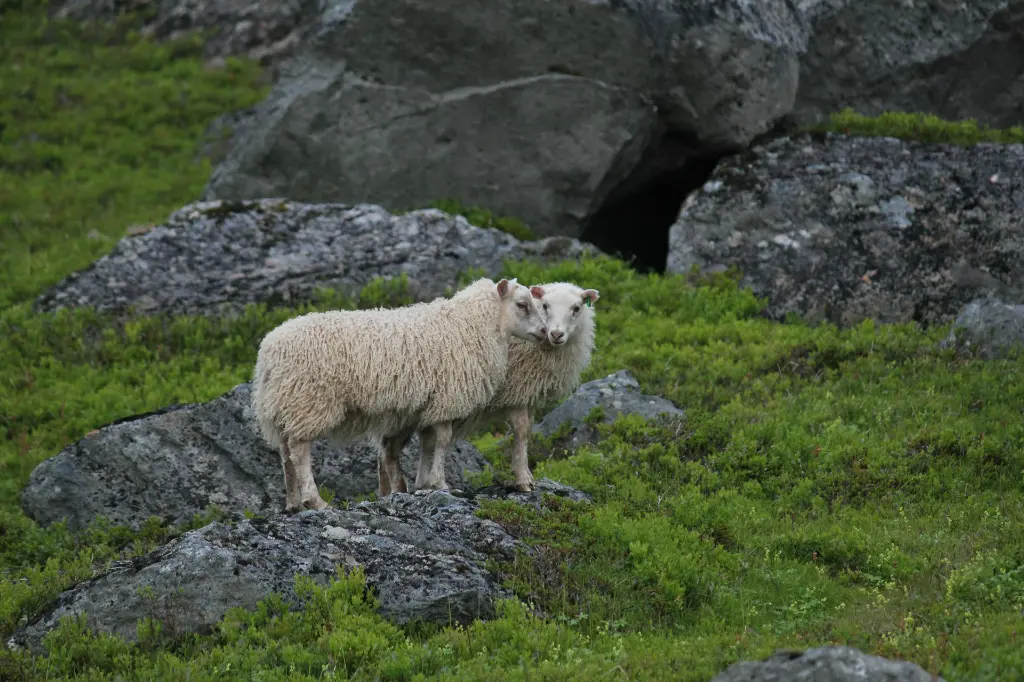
column 853, row 486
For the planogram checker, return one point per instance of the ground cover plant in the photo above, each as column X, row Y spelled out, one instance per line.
column 857, row 486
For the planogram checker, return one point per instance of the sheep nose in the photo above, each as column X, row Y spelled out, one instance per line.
column 557, row 336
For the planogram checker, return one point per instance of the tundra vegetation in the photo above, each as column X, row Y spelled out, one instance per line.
column 856, row 486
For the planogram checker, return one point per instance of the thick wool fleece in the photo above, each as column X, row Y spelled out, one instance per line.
column 539, row 374
column 349, row 374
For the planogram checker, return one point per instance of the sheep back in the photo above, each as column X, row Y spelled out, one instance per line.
column 347, row 374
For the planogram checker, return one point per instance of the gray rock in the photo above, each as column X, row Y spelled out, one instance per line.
column 217, row 257
column 615, row 394
column 541, row 488
column 988, row 328
column 422, row 554
column 535, row 109
column 331, row 136
column 958, row 60
column 176, row 462
column 846, row 229
column 825, row 664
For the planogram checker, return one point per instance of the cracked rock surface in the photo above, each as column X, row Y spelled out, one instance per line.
column 219, row 256
column 846, row 229
column 422, row 554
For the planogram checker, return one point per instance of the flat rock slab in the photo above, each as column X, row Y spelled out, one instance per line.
column 422, row 554
column 176, row 462
column 615, row 394
column 846, row 229
column 988, row 328
column 825, row 664
column 216, row 257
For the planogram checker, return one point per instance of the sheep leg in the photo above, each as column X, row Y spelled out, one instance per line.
column 383, row 480
column 521, row 422
column 442, row 439
column 392, row 462
column 299, row 454
column 426, row 457
column 292, row 502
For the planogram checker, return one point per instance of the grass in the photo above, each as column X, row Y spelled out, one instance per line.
column 855, row 486
column 919, row 127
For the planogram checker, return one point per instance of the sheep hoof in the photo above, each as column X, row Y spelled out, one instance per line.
column 316, row 503
column 524, row 487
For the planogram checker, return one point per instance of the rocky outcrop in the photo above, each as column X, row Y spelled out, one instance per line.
column 614, row 395
column 846, row 229
column 825, row 664
column 988, row 328
column 422, row 555
column 178, row 461
column 219, row 256
column 955, row 60
column 534, row 109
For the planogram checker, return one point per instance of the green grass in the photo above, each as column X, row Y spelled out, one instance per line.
column 919, row 127
column 855, row 486
column 98, row 132
column 482, row 217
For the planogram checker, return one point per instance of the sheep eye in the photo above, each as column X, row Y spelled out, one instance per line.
column 575, row 309
column 545, row 307
column 522, row 306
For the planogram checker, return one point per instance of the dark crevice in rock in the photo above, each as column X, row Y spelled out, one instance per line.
column 634, row 222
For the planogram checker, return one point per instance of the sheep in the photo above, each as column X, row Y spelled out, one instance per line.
column 539, row 373
column 383, row 374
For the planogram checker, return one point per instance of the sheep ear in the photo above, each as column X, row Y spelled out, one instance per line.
column 537, row 292
column 590, row 297
column 504, row 286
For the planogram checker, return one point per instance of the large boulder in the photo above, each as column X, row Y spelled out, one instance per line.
column 531, row 108
column 954, row 59
column 219, row 256
column 846, row 229
column 825, row 664
column 423, row 555
column 179, row 461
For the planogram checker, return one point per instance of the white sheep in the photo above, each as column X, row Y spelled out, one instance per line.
column 383, row 374
column 539, row 373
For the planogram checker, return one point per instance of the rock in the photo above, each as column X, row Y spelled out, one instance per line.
column 216, row 257
column 332, row 136
column 534, row 109
column 825, row 664
column 845, row 229
column 541, row 488
column 953, row 59
column 988, row 328
column 175, row 462
column 616, row 394
column 422, row 554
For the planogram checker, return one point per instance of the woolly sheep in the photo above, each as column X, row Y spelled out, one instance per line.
column 383, row 374
column 540, row 373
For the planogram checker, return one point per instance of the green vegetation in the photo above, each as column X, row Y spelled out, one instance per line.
column 920, row 127
column 855, row 486
column 98, row 133
column 481, row 217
